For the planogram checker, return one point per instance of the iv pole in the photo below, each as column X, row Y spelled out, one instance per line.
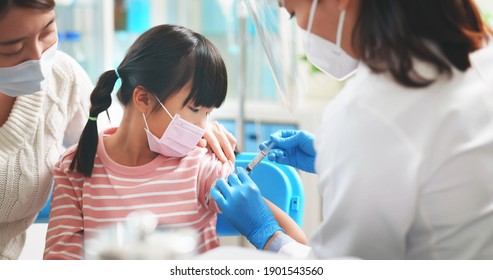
column 240, row 118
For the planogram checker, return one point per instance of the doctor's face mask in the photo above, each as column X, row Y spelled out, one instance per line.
column 28, row 77
column 179, row 138
column 325, row 55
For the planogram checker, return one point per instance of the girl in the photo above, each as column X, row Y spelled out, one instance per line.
column 172, row 78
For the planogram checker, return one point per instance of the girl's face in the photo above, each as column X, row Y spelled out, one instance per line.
column 25, row 34
column 159, row 120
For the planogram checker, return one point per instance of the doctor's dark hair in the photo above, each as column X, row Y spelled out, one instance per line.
column 162, row 60
column 6, row 5
column 389, row 34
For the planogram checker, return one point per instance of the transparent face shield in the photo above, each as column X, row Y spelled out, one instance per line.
column 278, row 36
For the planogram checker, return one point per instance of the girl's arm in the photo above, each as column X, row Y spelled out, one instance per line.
column 65, row 236
column 287, row 223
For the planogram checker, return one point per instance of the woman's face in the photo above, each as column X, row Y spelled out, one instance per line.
column 159, row 120
column 25, row 34
column 326, row 18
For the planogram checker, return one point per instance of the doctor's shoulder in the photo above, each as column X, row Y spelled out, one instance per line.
column 482, row 62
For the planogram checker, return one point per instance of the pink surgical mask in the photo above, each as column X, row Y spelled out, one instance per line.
column 178, row 139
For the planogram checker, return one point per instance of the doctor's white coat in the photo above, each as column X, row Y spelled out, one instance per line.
column 408, row 173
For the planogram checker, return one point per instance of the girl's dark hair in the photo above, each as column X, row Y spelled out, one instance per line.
column 162, row 61
column 389, row 34
column 6, row 5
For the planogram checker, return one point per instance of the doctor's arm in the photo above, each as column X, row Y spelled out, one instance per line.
column 239, row 196
column 369, row 185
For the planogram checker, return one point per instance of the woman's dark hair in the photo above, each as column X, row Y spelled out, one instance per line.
column 6, row 5
column 390, row 34
column 162, row 60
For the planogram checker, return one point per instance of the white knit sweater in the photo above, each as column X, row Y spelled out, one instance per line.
column 31, row 141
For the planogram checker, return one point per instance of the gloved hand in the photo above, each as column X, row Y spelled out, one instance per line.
column 244, row 207
column 292, row 147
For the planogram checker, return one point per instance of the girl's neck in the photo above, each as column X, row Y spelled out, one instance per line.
column 128, row 146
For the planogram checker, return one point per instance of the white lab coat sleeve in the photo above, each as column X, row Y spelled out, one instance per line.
column 285, row 245
column 296, row 250
column 368, row 181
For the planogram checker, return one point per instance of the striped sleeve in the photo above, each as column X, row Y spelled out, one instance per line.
column 211, row 169
column 65, row 236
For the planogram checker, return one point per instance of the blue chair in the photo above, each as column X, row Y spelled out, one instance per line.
column 44, row 214
column 281, row 184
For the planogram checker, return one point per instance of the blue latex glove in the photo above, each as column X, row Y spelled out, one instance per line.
column 244, row 207
column 294, row 148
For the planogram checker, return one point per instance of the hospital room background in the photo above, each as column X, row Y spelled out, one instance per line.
column 98, row 32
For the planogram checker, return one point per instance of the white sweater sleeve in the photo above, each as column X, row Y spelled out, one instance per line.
column 77, row 119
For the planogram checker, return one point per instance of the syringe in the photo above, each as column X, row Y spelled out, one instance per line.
column 259, row 157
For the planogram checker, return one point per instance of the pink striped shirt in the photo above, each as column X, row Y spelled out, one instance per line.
column 174, row 189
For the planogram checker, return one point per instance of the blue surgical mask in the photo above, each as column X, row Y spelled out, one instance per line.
column 28, row 77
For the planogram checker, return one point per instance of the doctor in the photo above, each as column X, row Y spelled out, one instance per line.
column 404, row 153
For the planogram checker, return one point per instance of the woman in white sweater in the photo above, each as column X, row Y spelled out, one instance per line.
column 44, row 97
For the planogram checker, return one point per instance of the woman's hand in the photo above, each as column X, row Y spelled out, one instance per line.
column 220, row 141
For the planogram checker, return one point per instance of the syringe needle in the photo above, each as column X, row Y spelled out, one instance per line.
column 259, row 157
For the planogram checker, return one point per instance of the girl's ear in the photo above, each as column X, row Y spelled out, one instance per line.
column 143, row 99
